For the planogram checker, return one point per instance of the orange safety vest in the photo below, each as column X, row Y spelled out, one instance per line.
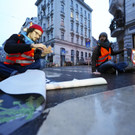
column 105, row 55
column 23, row 59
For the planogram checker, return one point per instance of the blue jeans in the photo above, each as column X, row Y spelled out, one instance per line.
column 109, row 64
column 9, row 70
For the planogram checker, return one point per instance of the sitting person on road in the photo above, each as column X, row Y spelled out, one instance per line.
column 101, row 57
column 23, row 53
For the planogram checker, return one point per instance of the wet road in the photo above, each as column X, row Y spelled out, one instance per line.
column 83, row 72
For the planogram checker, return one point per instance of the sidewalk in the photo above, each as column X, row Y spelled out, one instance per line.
column 106, row 113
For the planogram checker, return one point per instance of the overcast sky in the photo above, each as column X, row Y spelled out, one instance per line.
column 13, row 14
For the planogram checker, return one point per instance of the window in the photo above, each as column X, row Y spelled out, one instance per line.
column 81, row 54
column 85, row 13
column 44, row 26
column 89, row 54
column 77, row 40
column 71, row 3
column 88, row 16
column 72, row 38
column 81, row 11
column 62, row 21
column 81, row 41
column 77, row 28
column 85, row 54
column 72, row 56
column 62, row 35
column 51, row 34
column 77, row 56
column 81, row 19
column 77, row 18
column 62, row 8
column 72, row 52
column 85, row 22
column 81, row 30
column 52, row 6
column 48, row 22
column 89, row 34
column 48, row 36
column 48, row 9
column 88, row 23
column 52, row 20
column 85, row 32
column 72, row 26
column 71, row 14
column 44, row 39
column 76, row 7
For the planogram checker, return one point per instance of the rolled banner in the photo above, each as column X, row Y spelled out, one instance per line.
column 76, row 83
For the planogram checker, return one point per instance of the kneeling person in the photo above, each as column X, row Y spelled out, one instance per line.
column 23, row 53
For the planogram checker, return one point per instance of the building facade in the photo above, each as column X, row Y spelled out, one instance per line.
column 123, row 25
column 28, row 23
column 67, row 28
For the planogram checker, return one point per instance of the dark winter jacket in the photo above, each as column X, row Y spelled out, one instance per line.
column 12, row 46
column 97, row 53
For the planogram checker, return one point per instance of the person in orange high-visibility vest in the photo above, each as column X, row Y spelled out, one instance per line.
column 23, row 53
column 101, row 57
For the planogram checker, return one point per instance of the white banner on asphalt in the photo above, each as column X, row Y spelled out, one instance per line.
column 31, row 81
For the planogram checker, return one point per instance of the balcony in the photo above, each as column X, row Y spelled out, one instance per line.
column 77, row 11
column 72, row 32
column 71, row 19
column 62, row 27
column 117, row 27
column 77, row 34
column 71, row 7
column 115, row 5
column 62, row 13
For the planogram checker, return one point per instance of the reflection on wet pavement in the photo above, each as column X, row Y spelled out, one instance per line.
column 104, row 113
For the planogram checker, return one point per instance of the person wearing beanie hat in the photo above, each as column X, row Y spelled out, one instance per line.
column 24, row 53
column 38, row 27
column 103, row 34
column 101, row 57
